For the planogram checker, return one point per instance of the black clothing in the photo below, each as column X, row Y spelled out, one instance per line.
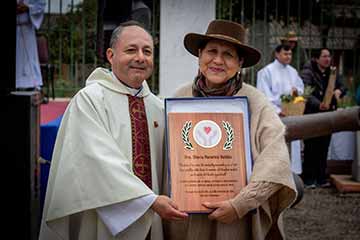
column 316, row 149
column 315, row 160
column 312, row 76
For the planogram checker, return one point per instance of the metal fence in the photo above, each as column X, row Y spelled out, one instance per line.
column 76, row 33
column 334, row 24
column 71, row 29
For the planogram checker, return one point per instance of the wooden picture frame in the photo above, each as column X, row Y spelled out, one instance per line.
column 208, row 149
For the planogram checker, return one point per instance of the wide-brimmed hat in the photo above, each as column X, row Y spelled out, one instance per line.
column 290, row 36
column 228, row 31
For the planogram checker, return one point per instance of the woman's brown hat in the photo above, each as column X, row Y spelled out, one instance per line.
column 228, row 31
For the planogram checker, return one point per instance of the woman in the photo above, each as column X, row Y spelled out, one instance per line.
column 255, row 213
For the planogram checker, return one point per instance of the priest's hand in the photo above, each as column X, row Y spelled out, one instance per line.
column 223, row 212
column 167, row 209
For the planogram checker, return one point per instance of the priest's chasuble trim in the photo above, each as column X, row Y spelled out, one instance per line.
column 140, row 140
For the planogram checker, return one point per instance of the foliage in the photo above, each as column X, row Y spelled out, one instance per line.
column 349, row 99
column 230, row 135
column 294, row 104
column 185, row 135
column 294, row 97
column 73, row 34
column 65, row 88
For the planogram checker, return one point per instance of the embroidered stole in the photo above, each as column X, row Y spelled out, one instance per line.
column 140, row 140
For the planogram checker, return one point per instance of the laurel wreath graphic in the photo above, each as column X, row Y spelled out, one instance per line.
column 185, row 135
column 230, row 135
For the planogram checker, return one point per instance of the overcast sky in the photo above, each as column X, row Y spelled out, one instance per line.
column 55, row 5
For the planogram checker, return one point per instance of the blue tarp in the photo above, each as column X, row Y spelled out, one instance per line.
column 48, row 134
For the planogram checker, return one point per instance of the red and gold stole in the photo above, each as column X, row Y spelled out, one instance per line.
column 140, row 140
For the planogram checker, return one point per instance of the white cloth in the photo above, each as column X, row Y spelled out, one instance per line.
column 295, row 156
column 119, row 216
column 274, row 80
column 342, row 146
column 28, row 72
column 91, row 166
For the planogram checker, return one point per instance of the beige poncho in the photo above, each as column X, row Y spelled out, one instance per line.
column 271, row 180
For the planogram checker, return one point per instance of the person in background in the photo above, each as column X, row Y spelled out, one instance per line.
column 29, row 16
column 299, row 56
column 255, row 212
column 280, row 78
column 106, row 169
column 290, row 39
column 316, row 74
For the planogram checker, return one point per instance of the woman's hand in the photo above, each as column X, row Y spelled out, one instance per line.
column 223, row 212
column 167, row 209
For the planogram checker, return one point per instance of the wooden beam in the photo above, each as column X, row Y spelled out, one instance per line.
column 321, row 124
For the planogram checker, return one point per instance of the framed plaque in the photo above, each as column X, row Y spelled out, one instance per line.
column 208, row 149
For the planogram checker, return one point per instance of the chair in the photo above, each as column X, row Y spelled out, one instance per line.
column 47, row 69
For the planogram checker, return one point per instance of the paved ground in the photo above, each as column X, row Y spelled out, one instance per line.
column 324, row 214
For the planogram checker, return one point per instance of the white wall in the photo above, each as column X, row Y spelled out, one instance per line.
column 178, row 17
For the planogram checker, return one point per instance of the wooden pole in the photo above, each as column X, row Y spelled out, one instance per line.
column 330, row 88
column 320, row 124
column 316, row 125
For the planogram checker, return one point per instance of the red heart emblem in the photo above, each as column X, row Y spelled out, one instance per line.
column 207, row 130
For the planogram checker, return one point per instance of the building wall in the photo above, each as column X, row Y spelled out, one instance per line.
column 178, row 17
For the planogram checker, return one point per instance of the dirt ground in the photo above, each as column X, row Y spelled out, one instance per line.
column 324, row 213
